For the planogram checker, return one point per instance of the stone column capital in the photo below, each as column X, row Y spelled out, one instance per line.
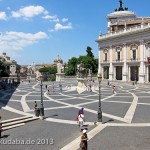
column 141, row 41
column 124, row 44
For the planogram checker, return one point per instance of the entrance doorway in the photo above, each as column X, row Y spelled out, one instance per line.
column 134, row 73
column 106, row 72
column 118, row 72
column 148, row 73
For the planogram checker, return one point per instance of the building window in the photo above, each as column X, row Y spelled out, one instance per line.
column 134, row 48
column 134, row 54
column 105, row 56
column 118, row 55
column 147, row 50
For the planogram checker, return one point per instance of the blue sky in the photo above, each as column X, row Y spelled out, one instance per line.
column 39, row 30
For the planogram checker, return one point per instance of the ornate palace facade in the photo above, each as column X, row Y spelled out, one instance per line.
column 123, row 51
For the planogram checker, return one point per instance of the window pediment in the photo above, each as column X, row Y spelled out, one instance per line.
column 105, row 51
column 118, row 49
column 134, row 47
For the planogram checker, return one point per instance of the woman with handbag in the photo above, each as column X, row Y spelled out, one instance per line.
column 84, row 139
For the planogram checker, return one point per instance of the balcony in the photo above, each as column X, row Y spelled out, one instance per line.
column 105, row 61
column 117, row 61
column 133, row 60
column 125, row 30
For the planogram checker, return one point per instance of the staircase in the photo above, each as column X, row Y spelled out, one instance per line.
column 17, row 122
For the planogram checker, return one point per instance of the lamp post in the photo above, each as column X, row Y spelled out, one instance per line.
column 42, row 107
column 99, row 108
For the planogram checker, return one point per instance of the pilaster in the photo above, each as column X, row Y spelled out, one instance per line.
column 142, row 65
column 111, row 66
column 125, row 62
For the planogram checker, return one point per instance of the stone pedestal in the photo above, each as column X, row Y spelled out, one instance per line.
column 31, row 76
column 82, row 83
column 59, row 76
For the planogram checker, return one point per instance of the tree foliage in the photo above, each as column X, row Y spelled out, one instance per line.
column 50, row 70
column 88, row 60
column 3, row 72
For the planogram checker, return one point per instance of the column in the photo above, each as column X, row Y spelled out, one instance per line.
column 125, row 63
column 114, row 72
column 129, row 75
column 142, row 65
column 111, row 66
column 102, row 68
column 147, row 74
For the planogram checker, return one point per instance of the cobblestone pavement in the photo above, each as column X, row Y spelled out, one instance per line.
column 125, row 123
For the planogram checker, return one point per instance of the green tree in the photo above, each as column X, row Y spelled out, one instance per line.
column 88, row 60
column 3, row 72
column 89, row 52
column 50, row 70
column 71, row 67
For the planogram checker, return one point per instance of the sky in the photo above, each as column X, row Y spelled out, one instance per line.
column 40, row 30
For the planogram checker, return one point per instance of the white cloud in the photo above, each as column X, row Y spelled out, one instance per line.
column 19, row 40
column 51, row 18
column 3, row 16
column 29, row 11
column 59, row 26
column 64, row 19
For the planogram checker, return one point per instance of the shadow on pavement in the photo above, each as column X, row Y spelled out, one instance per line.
column 110, row 120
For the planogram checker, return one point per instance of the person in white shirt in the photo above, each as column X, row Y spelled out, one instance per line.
column 81, row 121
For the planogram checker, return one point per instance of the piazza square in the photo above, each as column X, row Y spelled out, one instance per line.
column 94, row 101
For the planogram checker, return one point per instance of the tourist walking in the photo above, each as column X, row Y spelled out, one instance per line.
column 84, row 141
column 48, row 90
column 81, row 111
column 35, row 104
column 113, row 89
column 81, row 121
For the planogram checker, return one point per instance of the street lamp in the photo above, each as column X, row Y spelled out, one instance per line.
column 42, row 107
column 99, row 108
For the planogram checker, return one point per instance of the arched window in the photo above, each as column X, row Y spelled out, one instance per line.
column 105, row 55
column 118, row 53
column 133, row 49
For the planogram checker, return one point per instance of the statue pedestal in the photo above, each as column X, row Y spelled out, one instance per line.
column 59, row 76
column 31, row 76
column 82, row 83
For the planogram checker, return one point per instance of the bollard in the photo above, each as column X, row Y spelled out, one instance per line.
column 37, row 112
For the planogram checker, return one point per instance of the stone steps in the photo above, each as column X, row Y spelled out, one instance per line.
column 16, row 122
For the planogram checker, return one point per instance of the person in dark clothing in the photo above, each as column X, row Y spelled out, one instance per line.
column 35, row 104
column 81, row 111
column 46, row 86
column 84, row 139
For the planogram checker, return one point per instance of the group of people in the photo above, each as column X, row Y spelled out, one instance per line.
column 49, row 88
column 84, row 138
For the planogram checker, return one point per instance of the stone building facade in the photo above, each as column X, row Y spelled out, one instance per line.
column 124, row 50
column 12, row 67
